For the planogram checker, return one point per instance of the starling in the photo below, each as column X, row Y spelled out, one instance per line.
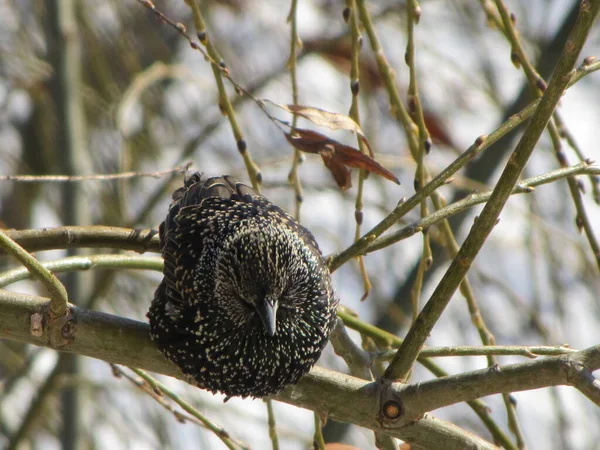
column 245, row 306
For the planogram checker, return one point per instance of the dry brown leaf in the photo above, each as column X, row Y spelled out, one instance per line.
column 333, row 121
column 336, row 156
column 339, row 171
column 354, row 158
column 309, row 141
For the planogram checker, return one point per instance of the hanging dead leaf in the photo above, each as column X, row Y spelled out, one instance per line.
column 336, row 156
column 309, row 141
column 339, row 171
column 354, row 158
column 333, row 121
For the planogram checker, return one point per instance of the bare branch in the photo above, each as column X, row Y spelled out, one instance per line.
column 145, row 240
column 97, row 177
column 58, row 304
column 343, row 397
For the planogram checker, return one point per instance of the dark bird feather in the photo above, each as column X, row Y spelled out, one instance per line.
column 246, row 305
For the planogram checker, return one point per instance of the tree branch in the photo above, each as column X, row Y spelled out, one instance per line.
column 86, row 237
column 76, row 263
column 343, row 397
column 58, row 305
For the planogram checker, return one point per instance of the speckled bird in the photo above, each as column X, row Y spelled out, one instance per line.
column 245, row 306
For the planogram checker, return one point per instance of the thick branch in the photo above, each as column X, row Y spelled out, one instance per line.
column 86, row 237
column 345, row 398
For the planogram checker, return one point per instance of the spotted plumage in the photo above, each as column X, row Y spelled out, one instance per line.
column 246, row 305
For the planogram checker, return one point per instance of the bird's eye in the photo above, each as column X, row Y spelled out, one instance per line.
column 244, row 301
column 286, row 302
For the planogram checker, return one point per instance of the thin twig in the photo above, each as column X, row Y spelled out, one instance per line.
column 220, row 432
column 98, row 177
column 58, row 293
column 356, row 358
column 295, row 42
column 498, row 350
column 356, row 43
column 156, row 395
column 76, row 263
column 319, row 440
column 98, row 236
column 272, row 424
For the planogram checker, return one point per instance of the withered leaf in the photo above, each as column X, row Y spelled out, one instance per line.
column 336, row 156
column 354, row 158
column 309, row 141
column 333, row 121
column 339, row 171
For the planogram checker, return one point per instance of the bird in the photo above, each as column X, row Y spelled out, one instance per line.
column 246, row 303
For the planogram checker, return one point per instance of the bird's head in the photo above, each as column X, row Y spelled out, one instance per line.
column 265, row 277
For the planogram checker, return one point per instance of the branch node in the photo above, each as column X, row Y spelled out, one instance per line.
column 392, row 410
column 61, row 329
column 391, row 407
column 36, row 327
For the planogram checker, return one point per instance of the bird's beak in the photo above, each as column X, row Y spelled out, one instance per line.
column 267, row 311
